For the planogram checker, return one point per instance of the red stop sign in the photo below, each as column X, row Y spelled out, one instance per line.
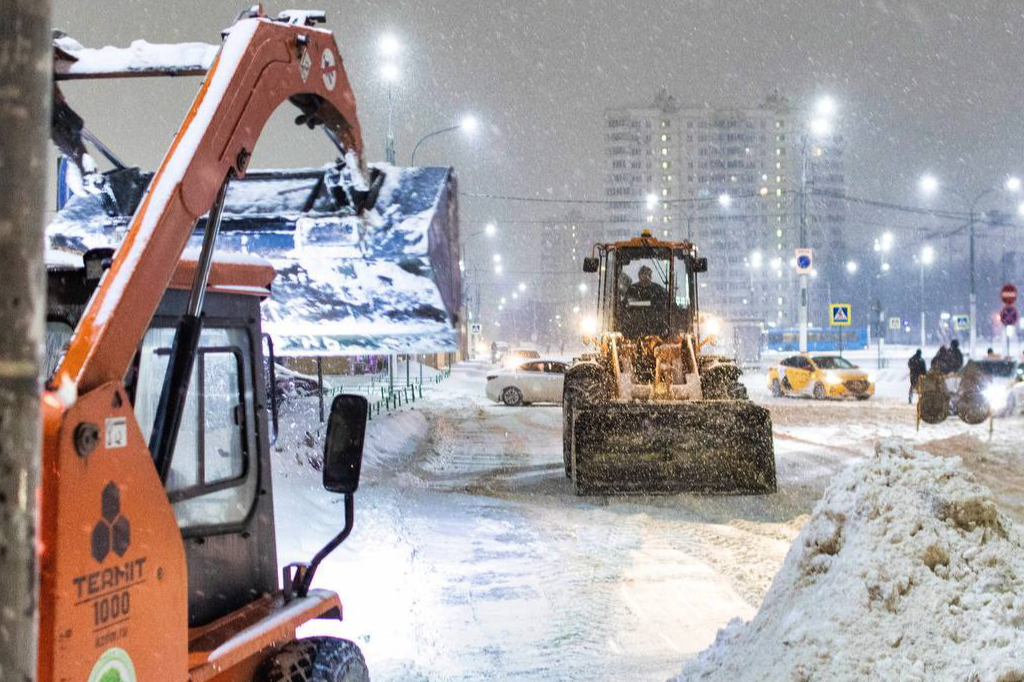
column 1008, row 294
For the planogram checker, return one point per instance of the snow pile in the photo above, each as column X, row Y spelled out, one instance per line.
column 905, row 571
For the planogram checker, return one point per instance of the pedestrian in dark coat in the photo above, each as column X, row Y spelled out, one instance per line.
column 956, row 357
column 917, row 370
column 941, row 361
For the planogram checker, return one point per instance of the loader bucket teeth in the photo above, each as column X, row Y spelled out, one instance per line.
column 707, row 446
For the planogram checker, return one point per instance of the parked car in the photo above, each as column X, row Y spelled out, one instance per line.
column 290, row 383
column 534, row 381
column 821, row 376
column 517, row 356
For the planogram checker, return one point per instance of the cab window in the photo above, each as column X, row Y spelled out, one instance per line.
column 210, row 482
column 532, row 367
column 58, row 336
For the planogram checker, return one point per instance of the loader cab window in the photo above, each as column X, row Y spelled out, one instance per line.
column 211, row 482
column 644, row 283
column 58, row 336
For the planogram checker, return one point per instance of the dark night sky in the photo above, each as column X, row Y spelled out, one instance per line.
column 921, row 85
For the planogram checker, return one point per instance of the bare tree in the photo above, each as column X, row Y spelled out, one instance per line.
column 25, row 93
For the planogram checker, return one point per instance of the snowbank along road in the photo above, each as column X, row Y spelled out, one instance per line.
column 471, row 558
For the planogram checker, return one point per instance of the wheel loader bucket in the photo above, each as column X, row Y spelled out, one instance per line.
column 708, row 446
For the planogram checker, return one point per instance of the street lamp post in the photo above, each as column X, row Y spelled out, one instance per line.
column 820, row 127
column 490, row 230
column 469, row 124
column 929, row 185
column 389, row 48
column 926, row 258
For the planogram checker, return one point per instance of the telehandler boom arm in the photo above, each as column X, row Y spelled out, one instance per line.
column 261, row 64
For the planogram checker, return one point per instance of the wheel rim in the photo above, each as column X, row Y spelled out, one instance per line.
column 511, row 397
column 819, row 391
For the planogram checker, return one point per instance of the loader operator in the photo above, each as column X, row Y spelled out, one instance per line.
column 644, row 306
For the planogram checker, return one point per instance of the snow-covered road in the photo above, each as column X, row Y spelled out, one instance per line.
column 472, row 560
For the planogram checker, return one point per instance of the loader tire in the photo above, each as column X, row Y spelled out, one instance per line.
column 777, row 389
column 581, row 385
column 315, row 659
column 819, row 391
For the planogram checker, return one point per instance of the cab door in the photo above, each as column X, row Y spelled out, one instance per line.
column 798, row 373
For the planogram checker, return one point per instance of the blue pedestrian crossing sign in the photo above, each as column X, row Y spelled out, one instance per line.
column 840, row 314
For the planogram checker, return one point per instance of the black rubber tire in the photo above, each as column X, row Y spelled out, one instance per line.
column 863, row 397
column 738, row 391
column 819, row 391
column 315, row 659
column 777, row 389
column 512, row 396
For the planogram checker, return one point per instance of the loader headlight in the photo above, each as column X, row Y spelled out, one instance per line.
column 996, row 397
column 831, row 378
column 871, row 377
column 588, row 325
column 713, row 326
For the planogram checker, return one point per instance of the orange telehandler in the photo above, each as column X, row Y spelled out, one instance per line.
column 157, row 548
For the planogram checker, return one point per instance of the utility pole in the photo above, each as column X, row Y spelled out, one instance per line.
column 803, row 244
column 25, row 95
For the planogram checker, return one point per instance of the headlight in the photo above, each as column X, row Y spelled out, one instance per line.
column 871, row 377
column 588, row 325
column 832, row 378
column 713, row 326
column 996, row 397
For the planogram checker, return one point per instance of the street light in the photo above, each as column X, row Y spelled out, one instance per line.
column 389, row 47
column 468, row 124
column 490, row 229
column 820, row 127
column 926, row 258
column 724, row 200
column 522, row 286
column 929, row 185
column 496, row 258
column 851, row 267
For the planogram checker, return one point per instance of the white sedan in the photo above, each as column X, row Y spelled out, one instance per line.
column 534, row 381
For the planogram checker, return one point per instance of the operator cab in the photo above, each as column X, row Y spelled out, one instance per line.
column 647, row 287
column 219, row 482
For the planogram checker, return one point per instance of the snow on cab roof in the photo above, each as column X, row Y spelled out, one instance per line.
column 386, row 282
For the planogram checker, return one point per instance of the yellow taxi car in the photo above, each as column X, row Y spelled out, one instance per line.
column 820, row 376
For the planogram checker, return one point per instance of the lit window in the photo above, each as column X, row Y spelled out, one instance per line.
column 664, row 151
column 818, row 151
column 778, row 191
column 764, row 176
column 763, row 191
column 664, row 123
column 664, row 192
column 778, row 178
column 780, row 300
column 778, row 233
column 665, row 165
column 778, row 165
column 778, row 247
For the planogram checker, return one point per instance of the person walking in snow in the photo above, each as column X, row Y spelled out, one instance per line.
column 917, row 370
column 941, row 361
column 956, row 357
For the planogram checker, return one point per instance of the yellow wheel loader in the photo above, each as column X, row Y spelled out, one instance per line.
column 646, row 411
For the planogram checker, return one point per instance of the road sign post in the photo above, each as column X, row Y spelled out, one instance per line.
column 840, row 315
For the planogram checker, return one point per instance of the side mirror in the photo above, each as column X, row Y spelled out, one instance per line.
column 700, row 264
column 343, row 447
column 590, row 264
